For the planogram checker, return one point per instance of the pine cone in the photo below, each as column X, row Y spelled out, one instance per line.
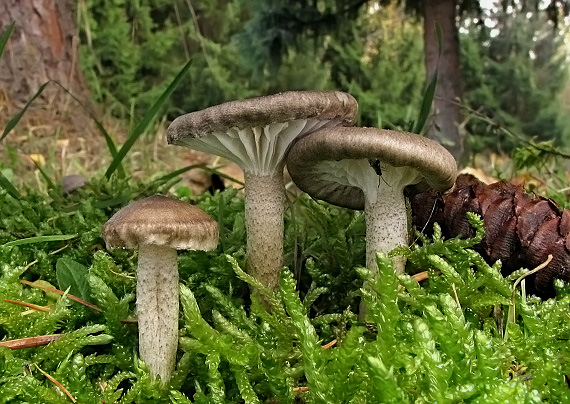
column 520, row 230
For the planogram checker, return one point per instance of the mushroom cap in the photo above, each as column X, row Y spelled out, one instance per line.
column 70, row 183
column 432, row 162
column 162, row 221
column 262, row 111
column 256, row 133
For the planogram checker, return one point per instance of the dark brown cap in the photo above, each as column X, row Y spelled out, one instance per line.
column 159, row 220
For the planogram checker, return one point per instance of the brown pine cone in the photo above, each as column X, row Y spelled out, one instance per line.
column 520, row 230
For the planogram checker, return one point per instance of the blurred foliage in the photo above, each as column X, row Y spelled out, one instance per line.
column 131, row 50
column 514, row 69
column 513, row 63
column 380, row 62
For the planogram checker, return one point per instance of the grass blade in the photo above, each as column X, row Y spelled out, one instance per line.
column 30, row 342
column 39, row 239
column 46, row 177
column 5, row 36
column 14, row 121
column 429, row 94
column 108, row 139
column 146, row 120
column 11, row 189
column 62, row 293
column 427, row 100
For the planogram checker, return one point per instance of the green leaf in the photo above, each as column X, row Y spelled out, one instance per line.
column 73, row 275
column 40, row 239
column 5, row 36
column 427, row 100
column 429, row 93
column 181, row 171
column 439, row 36
column 9, row 187
column 146, row 120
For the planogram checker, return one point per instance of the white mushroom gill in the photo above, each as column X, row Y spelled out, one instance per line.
column 355, row 173
column 257, row 150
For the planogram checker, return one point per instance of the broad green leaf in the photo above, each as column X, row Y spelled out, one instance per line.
column 73, row 275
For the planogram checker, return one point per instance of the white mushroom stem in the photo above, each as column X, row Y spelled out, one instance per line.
column 386, row 225
column 264, row 208
column 387, row 217
column 157, row 309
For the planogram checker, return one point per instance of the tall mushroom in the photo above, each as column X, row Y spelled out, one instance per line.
column 158, row 226
column 368, row 168
column 256, row 134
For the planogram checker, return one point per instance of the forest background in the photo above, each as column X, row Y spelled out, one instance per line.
column 510, row 83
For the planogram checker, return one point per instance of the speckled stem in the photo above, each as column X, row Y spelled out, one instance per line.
column 264, row 207
column 157, row 309
column 386, row 225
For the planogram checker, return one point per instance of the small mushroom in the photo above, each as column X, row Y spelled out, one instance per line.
column 72, row 182
column 256, row 134
column 368, row 168
column 158, row 226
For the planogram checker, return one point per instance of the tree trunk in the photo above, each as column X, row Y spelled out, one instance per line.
column 43, row 46
column 443, row 125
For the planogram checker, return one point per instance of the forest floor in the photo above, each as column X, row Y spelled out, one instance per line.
column 62, row 142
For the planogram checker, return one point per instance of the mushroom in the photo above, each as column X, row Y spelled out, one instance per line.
column 368, row 168
column 158, row 226
column 72, row 182
column 256, row 134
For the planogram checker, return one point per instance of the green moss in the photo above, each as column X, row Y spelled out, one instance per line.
column 448, row 339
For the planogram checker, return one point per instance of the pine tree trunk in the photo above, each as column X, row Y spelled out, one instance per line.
column 43, row 46
column 444, row 123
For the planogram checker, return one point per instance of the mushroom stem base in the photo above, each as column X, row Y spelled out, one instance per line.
column 157, row 309
column 264, row 208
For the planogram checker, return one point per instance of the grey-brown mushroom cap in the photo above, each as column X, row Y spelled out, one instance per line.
column 396, row 148
column 261, row 111
column 162, row 221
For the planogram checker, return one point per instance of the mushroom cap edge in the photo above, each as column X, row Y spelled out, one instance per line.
column 261, row 111
column 159, row 220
